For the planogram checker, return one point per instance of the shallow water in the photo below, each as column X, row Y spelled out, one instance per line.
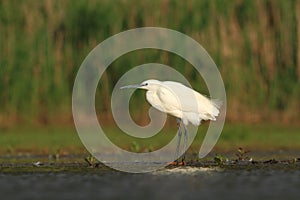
column 177, row 183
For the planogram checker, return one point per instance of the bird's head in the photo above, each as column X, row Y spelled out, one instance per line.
column 150, row 84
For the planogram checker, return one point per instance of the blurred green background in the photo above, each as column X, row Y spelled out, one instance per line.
column 255, row 44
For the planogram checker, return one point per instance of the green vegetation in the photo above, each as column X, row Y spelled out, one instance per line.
column 254, row 43
column 49, row 141
column 64, row 141
column 42, row 44
column 220, row 159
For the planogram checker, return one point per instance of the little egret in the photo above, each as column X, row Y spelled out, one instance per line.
column 186, row 104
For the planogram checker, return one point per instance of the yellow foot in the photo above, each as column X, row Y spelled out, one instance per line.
column 182, row 163
column 174, row 163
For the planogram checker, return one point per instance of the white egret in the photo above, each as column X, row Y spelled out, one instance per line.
column 186, row 104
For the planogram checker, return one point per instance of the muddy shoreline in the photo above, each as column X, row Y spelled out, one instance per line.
column 80, row 166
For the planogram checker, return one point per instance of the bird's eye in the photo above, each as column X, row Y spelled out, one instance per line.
column 146, row 84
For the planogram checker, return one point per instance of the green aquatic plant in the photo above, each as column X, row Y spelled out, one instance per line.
column 92, row 161
column 135, row 147
column 220, row 159
column 242, row 155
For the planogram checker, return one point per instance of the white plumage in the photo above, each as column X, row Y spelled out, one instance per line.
column 178, row 100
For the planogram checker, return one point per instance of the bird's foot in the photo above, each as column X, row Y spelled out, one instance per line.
column 176, row 163
column 182, row 163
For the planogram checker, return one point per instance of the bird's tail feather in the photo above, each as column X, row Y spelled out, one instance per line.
column 217, row 103
column 216, row 106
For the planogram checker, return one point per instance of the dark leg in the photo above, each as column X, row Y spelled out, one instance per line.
column 185, row 143
column 179, row 138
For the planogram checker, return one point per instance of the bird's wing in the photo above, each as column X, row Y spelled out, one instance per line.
column 177, row 96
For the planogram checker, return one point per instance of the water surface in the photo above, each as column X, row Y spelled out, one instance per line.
column 177, row 183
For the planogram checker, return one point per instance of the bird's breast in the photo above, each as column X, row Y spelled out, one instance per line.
column 154, row 99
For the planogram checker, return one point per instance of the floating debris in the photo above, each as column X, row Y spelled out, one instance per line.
column 271, row 161
column 185, row 170
column 37, row 164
